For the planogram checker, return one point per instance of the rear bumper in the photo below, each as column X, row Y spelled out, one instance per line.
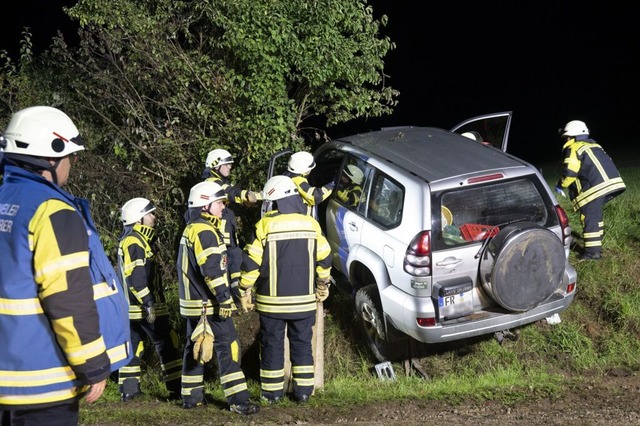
column 477, row 324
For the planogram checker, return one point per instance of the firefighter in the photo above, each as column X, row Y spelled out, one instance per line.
column 218, row 165
column 298, row 168
column 350, row 188
column 288, row 251
column 206, row 303
column 63, row 316
column 592, row 179
column 148, row 313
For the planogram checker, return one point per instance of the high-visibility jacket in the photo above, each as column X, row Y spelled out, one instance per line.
column 63, row 314
column 311, row 195
column 288, row 252
column 350, row 194
column 202, row 267
column 235, row 197
column 589, row 172
column 139, row 272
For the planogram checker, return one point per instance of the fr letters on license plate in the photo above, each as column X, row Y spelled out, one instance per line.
column 455, row 305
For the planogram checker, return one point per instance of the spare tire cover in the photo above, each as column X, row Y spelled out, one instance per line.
column 522, row 266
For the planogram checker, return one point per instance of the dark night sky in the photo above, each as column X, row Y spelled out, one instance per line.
column 547, row 61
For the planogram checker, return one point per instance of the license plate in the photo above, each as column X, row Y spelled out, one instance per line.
column 455, row 305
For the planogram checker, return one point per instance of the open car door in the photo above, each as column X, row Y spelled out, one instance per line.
column 493, row 128
column 277, row 166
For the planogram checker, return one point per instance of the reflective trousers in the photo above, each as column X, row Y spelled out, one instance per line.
column 227, row 349
column 166, row 343
column 299, row 332
column 593, row 225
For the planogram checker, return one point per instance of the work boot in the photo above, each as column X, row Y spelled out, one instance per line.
column 245, row 409
column 302, row 399
column 270, row 400
column 590, row 256
column 195, row 398
column 125, row 397
column 129, row 389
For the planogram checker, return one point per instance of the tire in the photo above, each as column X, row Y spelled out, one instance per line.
column 522, row 266
column 371, row 319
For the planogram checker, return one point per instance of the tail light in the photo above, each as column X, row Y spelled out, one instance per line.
column 564, row 225
column 417, row 260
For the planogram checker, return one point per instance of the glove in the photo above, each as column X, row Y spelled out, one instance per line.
column 203, row 337
column 560, row 191
column 246, row 300
column 227, row 308
column 151, row 312
column 251, row 197
column 330, row 185
column 322, row 289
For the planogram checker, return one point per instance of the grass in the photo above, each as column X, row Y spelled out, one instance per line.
column 600, row 332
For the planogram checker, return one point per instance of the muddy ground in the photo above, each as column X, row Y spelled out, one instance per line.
column 610, row 400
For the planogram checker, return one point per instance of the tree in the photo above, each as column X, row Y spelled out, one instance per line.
column 159, row 83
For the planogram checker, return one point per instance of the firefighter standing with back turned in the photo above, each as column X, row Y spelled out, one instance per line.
column 288, row 252
column 592, row 179
column 148, row 313
column 206, row 303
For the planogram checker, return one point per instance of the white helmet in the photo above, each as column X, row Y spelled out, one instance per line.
column 574, row 128
column 218, row 157
column 205, row 193
column 279, row 187
column 354, row 173
column 42, row 131
column 473, row 135
column 135, row 209
column 301, row 162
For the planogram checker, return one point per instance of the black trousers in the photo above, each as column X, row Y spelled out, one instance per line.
column 227, row 348
column 165, row 341
column 58, row 415
column 593, row 225
column 299, row 332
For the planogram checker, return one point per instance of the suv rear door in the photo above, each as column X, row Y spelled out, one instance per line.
column 494, row 128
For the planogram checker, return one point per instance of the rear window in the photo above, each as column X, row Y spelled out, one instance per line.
column 474, row 214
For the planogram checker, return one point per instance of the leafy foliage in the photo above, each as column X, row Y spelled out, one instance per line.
column 156, row 84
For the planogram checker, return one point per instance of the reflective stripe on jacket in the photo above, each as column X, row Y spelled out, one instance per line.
column 202, row 268
column 139, row 272
column 589, row 173
column 311, row 195
column 53, row 341
column 288, row 251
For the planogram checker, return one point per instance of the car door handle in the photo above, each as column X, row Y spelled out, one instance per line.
column 449, row 261
column 353, row 226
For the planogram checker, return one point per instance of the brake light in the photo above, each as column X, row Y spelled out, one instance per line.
column 571, row 287
column 485, row 178
column 564, row 225
column 417, row 260
column 426, row 322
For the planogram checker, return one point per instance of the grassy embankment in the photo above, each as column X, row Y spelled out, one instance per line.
column 598, row 334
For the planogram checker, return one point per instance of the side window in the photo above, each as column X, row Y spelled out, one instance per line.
column 349, row 188
column 385, row 201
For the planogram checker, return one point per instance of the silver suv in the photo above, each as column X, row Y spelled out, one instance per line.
column 439, row 237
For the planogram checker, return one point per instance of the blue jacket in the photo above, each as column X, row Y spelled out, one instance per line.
column 42, row 286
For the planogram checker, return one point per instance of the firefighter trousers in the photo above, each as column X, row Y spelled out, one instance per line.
column 299, row 332
column 227, row 349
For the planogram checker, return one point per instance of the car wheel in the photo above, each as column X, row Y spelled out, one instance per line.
column 371, row 319
column 522, row 266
